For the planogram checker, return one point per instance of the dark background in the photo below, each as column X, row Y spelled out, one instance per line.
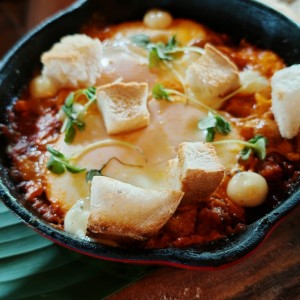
column 19, row 16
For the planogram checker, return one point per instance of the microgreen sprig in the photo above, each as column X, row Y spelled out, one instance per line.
column 162, row 52
column 100, row 172
column 212, row 124
column 59, row 163
column 256, row 145
column 90, row 174
column 75, row 119
column 159, row 92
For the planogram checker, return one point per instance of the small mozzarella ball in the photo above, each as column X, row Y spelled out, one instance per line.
column 42, row 87
column 157, row 19
column 76, row 219
column 247, row 189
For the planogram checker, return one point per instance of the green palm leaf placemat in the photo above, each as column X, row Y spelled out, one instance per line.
column 32, row 267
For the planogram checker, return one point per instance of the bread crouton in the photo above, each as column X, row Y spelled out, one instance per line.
column 123, row 106
column 212, row 76
column 286, row 100
column 200, row 169
column 123, row 211
column 74, row 61
column 173, row 174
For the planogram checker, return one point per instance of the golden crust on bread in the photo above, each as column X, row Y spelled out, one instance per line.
column 121, row 210
column 124, row 106
column 212, row 76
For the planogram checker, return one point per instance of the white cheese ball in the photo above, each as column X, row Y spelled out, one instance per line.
column 247, row 189
column 157, row 19
column 42, row 87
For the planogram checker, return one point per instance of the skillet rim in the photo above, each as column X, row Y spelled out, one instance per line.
column 232, row 249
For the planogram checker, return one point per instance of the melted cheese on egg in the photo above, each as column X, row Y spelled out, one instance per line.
column 170, row 122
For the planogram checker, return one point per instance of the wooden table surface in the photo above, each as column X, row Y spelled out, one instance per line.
column 272, row 272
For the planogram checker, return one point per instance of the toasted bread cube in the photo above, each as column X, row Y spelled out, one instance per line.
column 173, row 174
column 122, row 211
column 212, row 76
column 123, row 106
column 286, row 100
column 74, row 61
column 201, row 171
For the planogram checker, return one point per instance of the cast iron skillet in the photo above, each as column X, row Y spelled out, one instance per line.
column 240, row 19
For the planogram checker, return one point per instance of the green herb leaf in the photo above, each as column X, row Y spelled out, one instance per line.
column 160, row 92
column 91, row 173
column 256, row 145
column 70, row 100
column 222, row 126
column 141, row 40
column 58, row 163
column 212, row 124
column 55, row 166
column 90, row 92
column 54, row 152
column 208, row 122
column 70, row 132
column 172, row 43
column 162, row 51
column 153, row 58
column 64, row 161
column 75, row 119
column 245, row 153
column 74, row 169
column 210, row 135
column 159, row 51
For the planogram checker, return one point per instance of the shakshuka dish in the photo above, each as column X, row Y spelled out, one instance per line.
column 156, row 133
